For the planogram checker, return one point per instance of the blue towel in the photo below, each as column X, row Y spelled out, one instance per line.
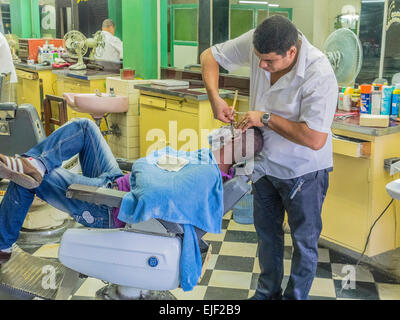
column 192, row 196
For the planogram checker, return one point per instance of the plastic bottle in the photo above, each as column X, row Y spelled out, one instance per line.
column 376, row 100
column 341, row 97
column 355, row 99
column 347, row 99
column 386, row 107
column 396, row 100
column 365, row 103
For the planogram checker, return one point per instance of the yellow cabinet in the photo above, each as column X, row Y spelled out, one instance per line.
column 357, row 193
column 33, row 86
column 181, row 123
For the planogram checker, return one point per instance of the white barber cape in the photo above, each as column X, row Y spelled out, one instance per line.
column 7, row 65
column 113, row 49
column 308, row 93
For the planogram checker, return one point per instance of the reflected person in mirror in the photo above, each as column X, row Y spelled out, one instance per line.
column 113, row 49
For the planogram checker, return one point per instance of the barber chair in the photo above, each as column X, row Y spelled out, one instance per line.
column 20, row 130
column 140, row 261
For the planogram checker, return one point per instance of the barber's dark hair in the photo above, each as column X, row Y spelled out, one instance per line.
column 275, row 34
column 258, row 140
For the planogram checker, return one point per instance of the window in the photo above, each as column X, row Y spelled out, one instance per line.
column 185, row 24
column 184, row 31
column 246, row 17
column 5, row 23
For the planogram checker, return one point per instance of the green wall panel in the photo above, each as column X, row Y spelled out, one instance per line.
column 115, row 14
column 140, row 37
column 25, row 19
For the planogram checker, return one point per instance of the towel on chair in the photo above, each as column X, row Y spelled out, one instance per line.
column 192, row 196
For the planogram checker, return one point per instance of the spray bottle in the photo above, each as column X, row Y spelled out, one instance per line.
column 365, row 104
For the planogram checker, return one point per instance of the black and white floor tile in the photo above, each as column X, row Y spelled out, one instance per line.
column 233, row 271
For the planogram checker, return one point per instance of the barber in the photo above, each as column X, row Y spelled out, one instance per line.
column 293, row 97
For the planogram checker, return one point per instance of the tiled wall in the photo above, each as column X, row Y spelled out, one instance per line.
column 127, row 145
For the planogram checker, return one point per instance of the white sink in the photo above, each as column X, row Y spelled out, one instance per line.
column 96, row 105
column 393, row 189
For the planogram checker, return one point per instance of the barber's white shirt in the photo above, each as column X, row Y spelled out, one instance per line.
column 6, row 65
column 113, row 49
column 308, row 93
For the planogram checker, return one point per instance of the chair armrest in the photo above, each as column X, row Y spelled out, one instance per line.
column 99, row 196
column 125, row 164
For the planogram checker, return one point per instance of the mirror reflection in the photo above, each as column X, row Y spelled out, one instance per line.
column 315, row 19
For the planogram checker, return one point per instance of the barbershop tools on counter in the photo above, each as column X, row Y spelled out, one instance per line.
column 345, row 115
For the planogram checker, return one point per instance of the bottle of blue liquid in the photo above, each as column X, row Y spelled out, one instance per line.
column 386, row 107
column 365, row 103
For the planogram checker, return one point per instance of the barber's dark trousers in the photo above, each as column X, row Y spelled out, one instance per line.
column 302, row 199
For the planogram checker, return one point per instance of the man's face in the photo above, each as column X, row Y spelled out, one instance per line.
column 273, row 62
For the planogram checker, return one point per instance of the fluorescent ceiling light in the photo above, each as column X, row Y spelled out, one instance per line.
column 253, row 2
column 274, row 5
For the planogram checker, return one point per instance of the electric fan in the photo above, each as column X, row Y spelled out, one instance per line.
column 97, row 44
column 77, row 46
column 13, row 43
column 75, row 43
column 396, row 79
column 344, row 51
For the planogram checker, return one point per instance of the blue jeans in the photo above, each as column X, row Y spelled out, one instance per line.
column 302, row 198
column 99, row 168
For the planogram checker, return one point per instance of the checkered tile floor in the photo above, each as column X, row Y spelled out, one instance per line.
column 233, row 271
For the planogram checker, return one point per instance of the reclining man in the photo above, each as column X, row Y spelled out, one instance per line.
column 39, row 173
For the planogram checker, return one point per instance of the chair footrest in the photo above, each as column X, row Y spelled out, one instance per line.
column 99, row 196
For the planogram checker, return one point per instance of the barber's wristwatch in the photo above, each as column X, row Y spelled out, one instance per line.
column 265, row 118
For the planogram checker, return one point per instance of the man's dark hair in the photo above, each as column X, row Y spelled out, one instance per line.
column 275, row 34
column 258, row 140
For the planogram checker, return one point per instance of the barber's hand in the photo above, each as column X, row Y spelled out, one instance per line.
column 223, row 112
column 250, row 119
